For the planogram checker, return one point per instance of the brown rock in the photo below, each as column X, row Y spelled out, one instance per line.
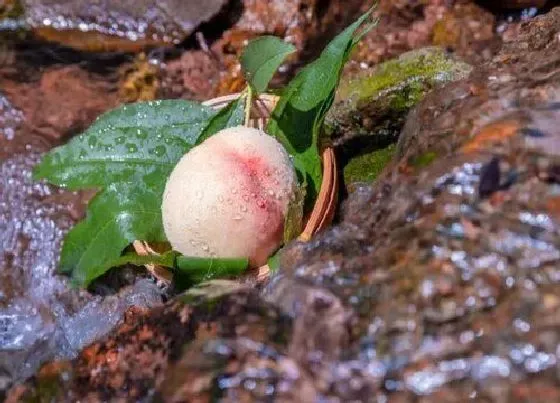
column 514, row 4
column 49, row 108
column 404, row 25
column 110, row 25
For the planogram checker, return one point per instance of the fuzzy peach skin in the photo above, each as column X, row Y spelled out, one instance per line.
column 228, row 197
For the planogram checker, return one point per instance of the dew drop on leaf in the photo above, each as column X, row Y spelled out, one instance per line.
column 120, row 140
column 159, row 151
column 141, row 134
column 131, row 148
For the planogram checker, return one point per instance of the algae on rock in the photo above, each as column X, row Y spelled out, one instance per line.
column 367, row 167
column 375, row 102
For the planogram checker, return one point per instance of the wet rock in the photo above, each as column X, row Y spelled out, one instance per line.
column 195, row 75
column 111, row 25
column 490, row 93
column 374, row 102
column 371, row 106
column 10, row 118
column 429, row 289
column 447, row 265
column 41, row 316
column 167, row 348
column 513, row 4
column 405, row 25
column 47, row 106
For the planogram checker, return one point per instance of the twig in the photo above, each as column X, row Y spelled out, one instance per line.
column 248, row 104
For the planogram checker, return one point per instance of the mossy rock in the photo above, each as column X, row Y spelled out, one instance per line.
column 367, row 167
column 375, row 102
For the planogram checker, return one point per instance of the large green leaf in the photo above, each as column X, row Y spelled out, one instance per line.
column 203, row 269
column 127, row 154
column 115, row 218
column 142, row 137
column 299, row 115
column 261, row 58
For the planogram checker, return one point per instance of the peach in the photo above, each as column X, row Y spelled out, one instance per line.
column 228, row 197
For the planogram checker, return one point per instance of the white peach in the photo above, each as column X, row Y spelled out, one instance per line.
column 229, row 196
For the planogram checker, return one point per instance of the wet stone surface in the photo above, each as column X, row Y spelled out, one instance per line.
column 118, row 25
column 440, row 284
column 41, row 316
column 10, row 118
column 374, row 102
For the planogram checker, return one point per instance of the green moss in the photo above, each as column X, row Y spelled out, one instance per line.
column 424, row 160
column 428, row 65
column 47, row 389
column 377, row 100
column 367, row 167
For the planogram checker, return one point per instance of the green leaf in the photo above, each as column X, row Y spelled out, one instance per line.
column 143, row 137
column 204, row 269
column 128, row 154
column 232, row 115
column 115, row 218
column 274, row 261
column 166, row 259
column 261, row 58
column 299, row 115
